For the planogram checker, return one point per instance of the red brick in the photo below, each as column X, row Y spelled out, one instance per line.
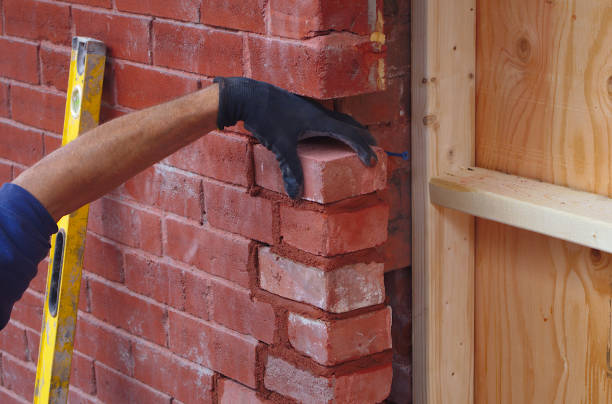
column 135, row 89
column 37, row 20
column 4, row 99
column 239, row 129
column 20, row 144
column 51, row 143
column 398, row 248
column 335, row 233
column 108, row 113
column 126, row 37
column 39, row 283
column 219, row 253
column 152, row 279
column 332, row 172
column 338, row 291
column 84, row 298
column 19, row 61
column 201, row 50
column 76, row 396
column 82, row 373
column 29, row 310
column 233, row 209
column 231, row 392
column 167, row 284
column 177, row 377
column 167, row 189
column 379, row 107
column 6, row 172
column 196, row 292
column 109, row 89
column 104, row 344
column 55, row 63
column 185, row 10
column 306, row 18
column 93, row 3
column 221, row 156
column 233, row 307
column 242, row 15
column 128, row 311
column 336, row 341
column 50, row 108
column 113, row 387
column 18, row 376
column 126, row 224
column 103, row 258
column 7, row 396
column 13, row 340
column 214, row 347
column 365, row 386
column 330, row 66
column 33, row 340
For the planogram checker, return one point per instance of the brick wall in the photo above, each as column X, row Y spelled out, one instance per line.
column 203, row 282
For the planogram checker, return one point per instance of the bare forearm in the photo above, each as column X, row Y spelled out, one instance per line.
column 108, row 155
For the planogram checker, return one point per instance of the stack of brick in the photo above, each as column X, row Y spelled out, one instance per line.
column 203, row 282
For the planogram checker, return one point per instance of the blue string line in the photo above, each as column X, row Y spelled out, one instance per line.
column 405, row 155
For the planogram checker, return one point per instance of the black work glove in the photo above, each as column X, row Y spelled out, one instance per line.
column 279, row 119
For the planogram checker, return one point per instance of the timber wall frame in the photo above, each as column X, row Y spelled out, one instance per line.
column 446, row 183
column 443, row 138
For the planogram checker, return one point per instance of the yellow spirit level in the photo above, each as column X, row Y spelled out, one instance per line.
column 67, row 246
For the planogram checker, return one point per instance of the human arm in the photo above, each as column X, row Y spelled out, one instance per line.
column 108, row 155
column 103, row 158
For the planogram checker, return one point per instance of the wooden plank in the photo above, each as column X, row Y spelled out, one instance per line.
column 443, row 120
column 544, row 111
column 545, row 91
column 543, row 319
column 580, row 217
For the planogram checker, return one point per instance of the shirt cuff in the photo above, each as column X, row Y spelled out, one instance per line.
column 21, row 202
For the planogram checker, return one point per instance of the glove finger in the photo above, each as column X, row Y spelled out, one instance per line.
column 367, row 136
column 356, row 133
column 291, row 168
column 357, row 139
column 284, row 148
column 360, row 145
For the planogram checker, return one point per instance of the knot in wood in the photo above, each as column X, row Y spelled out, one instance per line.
column 524, row 49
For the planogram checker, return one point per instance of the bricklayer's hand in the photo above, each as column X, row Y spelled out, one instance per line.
column 279, row 119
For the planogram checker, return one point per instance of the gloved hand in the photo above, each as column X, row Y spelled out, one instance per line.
column 279, row 119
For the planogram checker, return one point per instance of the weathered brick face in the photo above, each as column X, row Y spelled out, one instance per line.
column 203, row 281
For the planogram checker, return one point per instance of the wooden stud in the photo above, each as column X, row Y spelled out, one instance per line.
column 443, row 130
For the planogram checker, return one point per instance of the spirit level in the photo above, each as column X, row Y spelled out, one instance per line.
column 67, row 246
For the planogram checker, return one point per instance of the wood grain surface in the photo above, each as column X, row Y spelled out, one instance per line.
column 542, row 319
column 544, row 111
column 443, row 128
column 580, row 217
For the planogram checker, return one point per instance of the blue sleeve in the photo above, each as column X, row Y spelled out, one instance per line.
column 25, row 229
